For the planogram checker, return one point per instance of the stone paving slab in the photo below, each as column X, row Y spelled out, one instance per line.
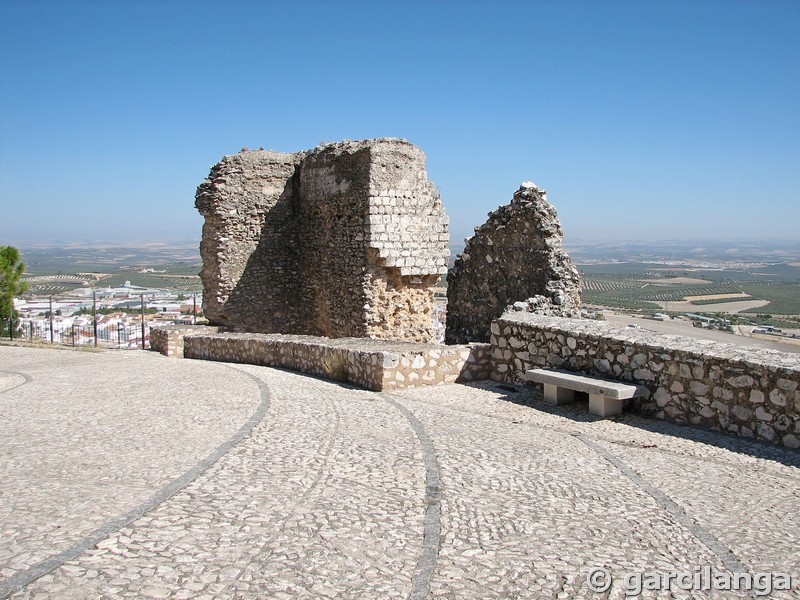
column 455, row 491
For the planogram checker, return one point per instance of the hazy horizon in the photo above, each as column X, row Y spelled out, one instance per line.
column 748, row 250
column 134, row 242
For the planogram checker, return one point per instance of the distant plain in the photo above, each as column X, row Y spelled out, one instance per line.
column 747, row 278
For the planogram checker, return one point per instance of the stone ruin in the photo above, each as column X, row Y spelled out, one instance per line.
column 514, row 260
column 345, row 240
column 348, row 240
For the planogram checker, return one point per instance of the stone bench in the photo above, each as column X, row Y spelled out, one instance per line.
column 605, row 397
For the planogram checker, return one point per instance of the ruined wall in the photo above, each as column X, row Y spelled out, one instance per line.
column 343, row 240
column 330, row 220
column 748, row 391
column 515, row 257
column 249, row 245
column 407, row 244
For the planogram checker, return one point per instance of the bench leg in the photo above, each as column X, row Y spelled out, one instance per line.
column 604, row 407
column 557, row 395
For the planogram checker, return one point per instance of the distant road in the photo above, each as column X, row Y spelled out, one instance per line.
column 723, row 307
column 677, row 327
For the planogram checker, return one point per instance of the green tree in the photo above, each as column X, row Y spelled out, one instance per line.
column 11, row 284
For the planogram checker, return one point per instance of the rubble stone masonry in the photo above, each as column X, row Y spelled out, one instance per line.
column 346, row 240
column 515, row 257
column 373, row 364
column 370, row 363
column 748, row 391
column 307, row 254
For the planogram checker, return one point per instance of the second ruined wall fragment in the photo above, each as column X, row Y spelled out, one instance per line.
column 515, row 257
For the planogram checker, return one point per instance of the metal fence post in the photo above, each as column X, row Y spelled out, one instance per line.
column 94, row 315
column 52, row 339
column 142, row 321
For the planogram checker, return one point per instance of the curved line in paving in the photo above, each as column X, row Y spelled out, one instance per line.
column 326, row 454
column 25, row 376
column 727, row 557
column 420, row 583
column 33, row 573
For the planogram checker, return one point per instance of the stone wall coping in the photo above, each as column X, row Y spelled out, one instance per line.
column 356, row 344
column 187, row 329
column 754, row 357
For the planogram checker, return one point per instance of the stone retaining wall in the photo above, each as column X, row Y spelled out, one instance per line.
column 372, row 364
column 749, row 391
column 169, row 340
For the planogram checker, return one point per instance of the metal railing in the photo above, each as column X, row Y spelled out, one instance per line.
column 114, row 335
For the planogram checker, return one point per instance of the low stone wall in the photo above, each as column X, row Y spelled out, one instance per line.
column 372, row 364
column 168, row 340
column 749, row 391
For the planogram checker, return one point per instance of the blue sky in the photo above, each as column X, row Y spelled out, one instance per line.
column 643, row 120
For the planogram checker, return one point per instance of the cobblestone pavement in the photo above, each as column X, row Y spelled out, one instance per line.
column 127, row 474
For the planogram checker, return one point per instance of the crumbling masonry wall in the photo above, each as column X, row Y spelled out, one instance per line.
column 515, row 258
column 249, row 246
column 345, row 240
